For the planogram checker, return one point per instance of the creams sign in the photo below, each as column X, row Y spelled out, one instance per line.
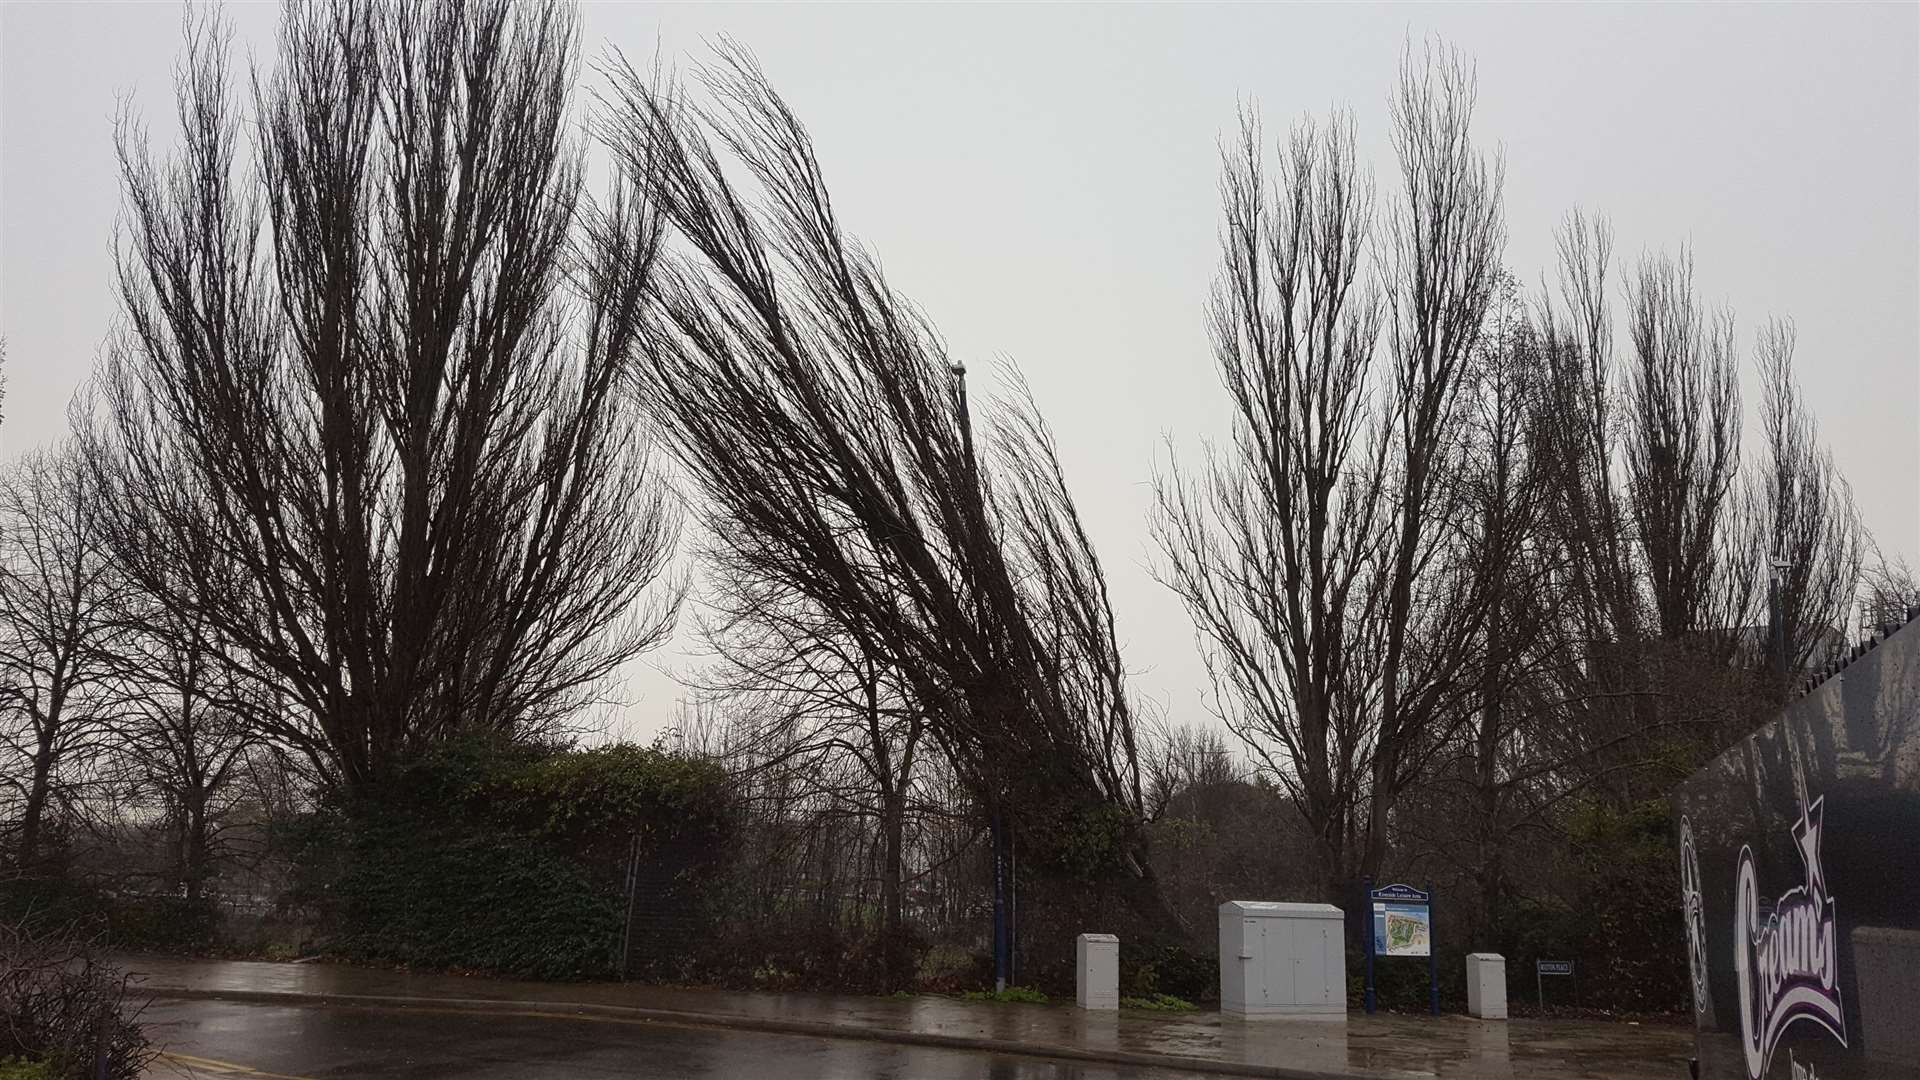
column 1786, row 963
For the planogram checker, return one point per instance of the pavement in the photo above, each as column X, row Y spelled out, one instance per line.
column 225, row 1040
column 314, row 1019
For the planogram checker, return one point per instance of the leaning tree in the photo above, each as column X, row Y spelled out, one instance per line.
column 364, row 424
column 819, row 413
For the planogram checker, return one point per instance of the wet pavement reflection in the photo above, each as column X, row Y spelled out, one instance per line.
column 1382, row 1045
column 209, row 1038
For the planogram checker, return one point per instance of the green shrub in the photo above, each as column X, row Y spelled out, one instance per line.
column 947, row 968
column 63, row 1014
column 1623, row 926
column 465, row 899
column 1170, row 971
column 162, row 923
column 1159, row 1003
column 52, row 905
column 511, row 859
column 1021, row 995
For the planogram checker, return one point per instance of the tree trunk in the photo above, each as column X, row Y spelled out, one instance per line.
column 1142, row 893
column 898, row 952
column 36, row 808
column 1379, row 806
column 193, row 863
column 1493, row 899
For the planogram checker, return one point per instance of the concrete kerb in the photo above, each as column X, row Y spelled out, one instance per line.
column 561, row 1010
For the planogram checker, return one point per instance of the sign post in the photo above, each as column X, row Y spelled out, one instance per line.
column 1370, row 994
column 1402, row 925
column 1433, row 971
column 1543, row 968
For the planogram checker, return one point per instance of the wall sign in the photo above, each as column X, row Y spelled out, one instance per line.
column 1798, row 847
column 1787, row 964
column 1402, row 925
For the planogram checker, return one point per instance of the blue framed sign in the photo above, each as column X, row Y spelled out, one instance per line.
column 1400, row 920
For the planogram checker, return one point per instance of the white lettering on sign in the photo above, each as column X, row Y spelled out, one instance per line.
column 1787, row 968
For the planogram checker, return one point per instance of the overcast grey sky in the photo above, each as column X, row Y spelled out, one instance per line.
column 1041, row 179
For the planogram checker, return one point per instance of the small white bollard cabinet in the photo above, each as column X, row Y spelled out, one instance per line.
column 1282, row 960
column 1096, row 965
column 1487, row 985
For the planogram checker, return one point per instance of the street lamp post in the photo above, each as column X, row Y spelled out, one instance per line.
column 997, row 827
column 1776, row 620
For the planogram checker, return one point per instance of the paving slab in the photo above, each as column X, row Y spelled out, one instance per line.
column 1384, row 1045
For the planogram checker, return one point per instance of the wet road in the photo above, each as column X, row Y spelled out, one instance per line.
column 209, row 1038
column 312, row 1038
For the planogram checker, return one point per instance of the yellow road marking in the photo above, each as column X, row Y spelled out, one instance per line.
column 224, row 1068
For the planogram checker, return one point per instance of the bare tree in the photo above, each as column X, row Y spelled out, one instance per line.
column 1442, row 275
column 1575, row 430
column 1506, row 497
column 819, row 414
column 1324, row 558
column 1682, row 456
column 1889, row 590
column 58, row 590
column 364, row 426
column 1804, row 521
column 1180, row 759
column 1270, row 549
column 1651, row 577
column 187, row 729
column 801, row 682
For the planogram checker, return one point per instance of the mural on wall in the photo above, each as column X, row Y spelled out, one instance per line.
column 1797, row 852
column 1787, row 964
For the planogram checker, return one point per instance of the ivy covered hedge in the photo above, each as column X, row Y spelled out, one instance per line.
column 511, row 859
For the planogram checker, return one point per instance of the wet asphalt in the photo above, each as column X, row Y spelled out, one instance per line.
column 493, row 1027
column 229, row 1039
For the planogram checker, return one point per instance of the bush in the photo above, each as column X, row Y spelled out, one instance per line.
column 1159, row 1003
column 63, row 1014
column 512, row 859
column 162, row 923
column 949, row 967
column 459, row 899
column 51, row 905
column 1171, row 971
column 1020, row 995
column 1623, row 925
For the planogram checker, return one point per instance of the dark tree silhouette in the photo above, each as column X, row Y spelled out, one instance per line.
column 1803, row 518
column 364, row 423
column 1271, row 548
column 845, row 726
column 1652, row 575
column 1682, row 456
column 1442, row 275
column 187, row 726
column 1576, row 428
column 58, row 590
column 1324, row 557
column 817, row 410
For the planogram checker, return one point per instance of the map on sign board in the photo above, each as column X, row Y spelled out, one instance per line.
column 1401, row 930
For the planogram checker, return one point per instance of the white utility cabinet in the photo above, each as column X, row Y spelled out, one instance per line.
column 1097, row 971
column 1487, row 985
column 1283, row 960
